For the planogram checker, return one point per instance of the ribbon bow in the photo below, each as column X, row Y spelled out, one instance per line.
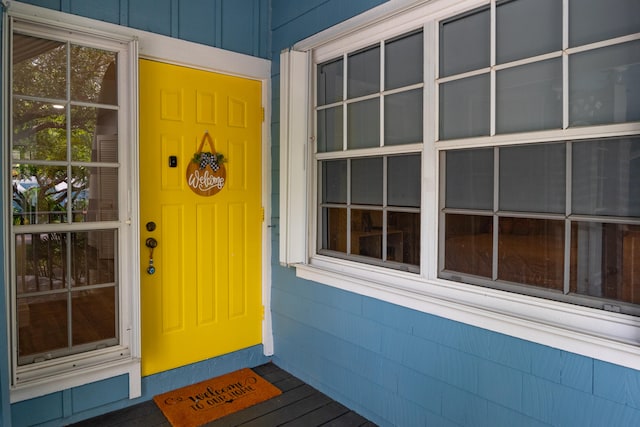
column 209, row 159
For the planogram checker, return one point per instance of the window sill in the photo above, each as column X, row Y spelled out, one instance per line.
column 611, row 337
column 73, row 372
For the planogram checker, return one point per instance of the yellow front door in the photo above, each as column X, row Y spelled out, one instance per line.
column 204, row 298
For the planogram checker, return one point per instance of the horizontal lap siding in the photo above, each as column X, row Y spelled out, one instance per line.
column 237, row 25
column 399, row 367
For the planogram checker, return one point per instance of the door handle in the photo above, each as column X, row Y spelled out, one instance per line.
column 151, row 243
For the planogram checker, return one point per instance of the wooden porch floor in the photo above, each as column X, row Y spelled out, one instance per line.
column 298, row 405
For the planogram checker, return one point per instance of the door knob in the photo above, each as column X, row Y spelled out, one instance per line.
column 151, row 242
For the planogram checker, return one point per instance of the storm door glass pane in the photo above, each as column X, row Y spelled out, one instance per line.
column 40, row 262
column 604, row 261
column 39, row 130
column 94, row 77
column 94, row 134
column 531, row 252
column 529, row 97
column 363, row 124
column 604, row 85
column 330, row 82
column 366, row 181
column 39, row 194
column 606, row 177
column 464, row 107
column 465, row 43
column 94, row 194
column 403, row 118
column 42, row 326
column 526, row 28
column 39, row 67
column 403, row 61
column 93, row 257
column 363, row 72
column 403, row 181
column 94, row 315
column 334, row 181
column 468, row 244
column 469, row 179
column 330, row 134
column 596, row 20
column 532, row 178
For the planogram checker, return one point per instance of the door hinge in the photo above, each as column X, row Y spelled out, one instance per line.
column 262, row 214
column 262, row 310
column 263, row 114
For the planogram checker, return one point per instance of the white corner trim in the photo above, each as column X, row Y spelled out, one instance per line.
column 610, row 337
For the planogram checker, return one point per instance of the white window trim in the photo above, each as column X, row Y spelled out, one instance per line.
column 607, row 336
column 107, row 364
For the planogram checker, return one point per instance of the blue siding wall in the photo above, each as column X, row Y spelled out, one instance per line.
column 400, row 367
column 237, row 25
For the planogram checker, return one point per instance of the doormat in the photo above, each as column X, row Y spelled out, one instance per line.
column 209, row 400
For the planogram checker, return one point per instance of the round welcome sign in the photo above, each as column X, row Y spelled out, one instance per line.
column 206, row 174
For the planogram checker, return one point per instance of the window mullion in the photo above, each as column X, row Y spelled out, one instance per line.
column 345, row 118
column 567, row 221
column 492, row 63
column 565, row 64
column 496, row 208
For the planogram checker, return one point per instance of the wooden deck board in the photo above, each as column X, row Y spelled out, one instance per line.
column 299, row 405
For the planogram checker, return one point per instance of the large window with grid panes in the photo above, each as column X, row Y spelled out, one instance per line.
column 529, row 111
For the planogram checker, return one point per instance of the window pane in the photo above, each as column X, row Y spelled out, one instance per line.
column 403, row 118
column 464, row 107
column 93, row 257
column 42, row 326
column 334, row 181
column 605, row 261
column 330, row 136
column 94, row 134
column 403, row 180
column 468, row 244
column 531, row 252
column 532, row 178
column 39, row 131
column 40, row 262
column 604, row 85
column 529, row 97
column 526, row 28
column 93, row 75
column 39, row 67
column 403, row 61
column 606, row 177
column 330, row 82
column 596, row 20
column 469, row 179
column 95, row 194
column 39, row 194
column 366, row 233
column 403, row 237
column 364, row 124
column 334, row 226
column 465, row 43
column 366, row 181
column 363, row 72
column 93, row 315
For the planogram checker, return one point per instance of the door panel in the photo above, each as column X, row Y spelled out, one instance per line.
column 204, row 298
